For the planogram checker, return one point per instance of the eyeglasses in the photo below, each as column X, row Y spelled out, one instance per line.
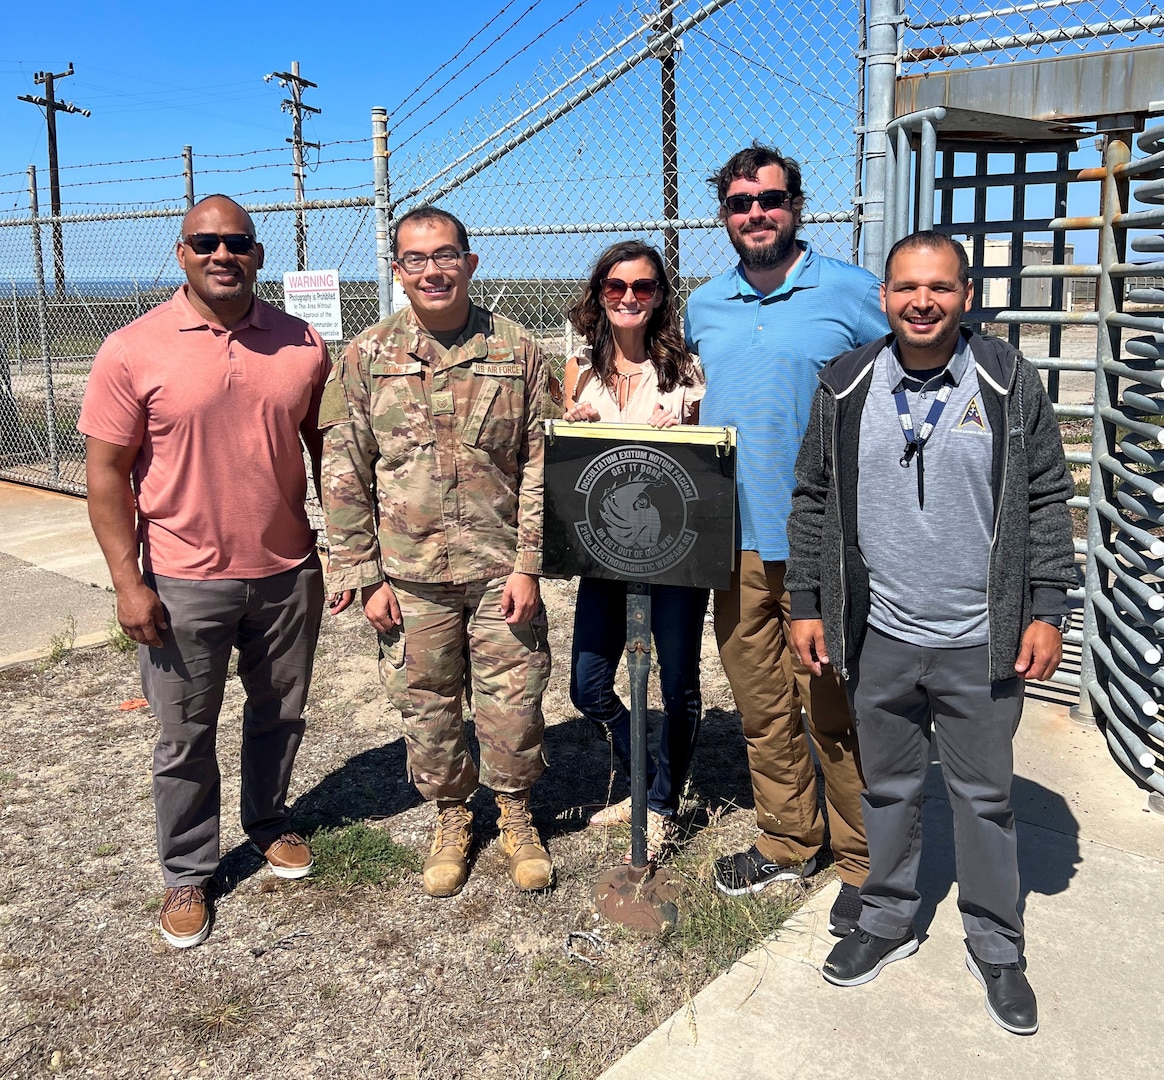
column 615, row 288
column 772, row 199
column 445, row 259
column 206, row 243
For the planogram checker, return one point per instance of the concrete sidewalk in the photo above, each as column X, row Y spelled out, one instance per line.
column 1092, row 865
column 52, row 576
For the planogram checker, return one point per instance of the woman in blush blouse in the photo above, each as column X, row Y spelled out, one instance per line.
column 635, row 369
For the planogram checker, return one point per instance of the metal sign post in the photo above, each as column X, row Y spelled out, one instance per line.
column 642, row 505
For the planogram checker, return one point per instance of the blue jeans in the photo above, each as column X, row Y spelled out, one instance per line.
column 599, row 643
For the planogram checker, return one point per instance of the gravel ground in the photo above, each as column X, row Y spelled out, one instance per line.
column 304, row 979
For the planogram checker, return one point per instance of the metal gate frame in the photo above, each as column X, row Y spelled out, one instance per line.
column 1121, row 641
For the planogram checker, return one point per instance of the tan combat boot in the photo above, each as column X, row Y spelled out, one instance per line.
column 447, row 866
column 530, row 866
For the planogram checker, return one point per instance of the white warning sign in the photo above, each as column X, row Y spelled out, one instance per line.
column 314, row 295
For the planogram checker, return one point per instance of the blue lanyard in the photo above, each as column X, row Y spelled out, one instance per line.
column 915, row 444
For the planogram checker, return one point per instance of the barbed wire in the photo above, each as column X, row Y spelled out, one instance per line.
column 175, row 199
column 456, row 55
column 246, row 153
column 452, row 59
column 134, row 161
column 244, row 169
column 262, row 191
column 476, row 86
column 348, row 187
column 122, row 180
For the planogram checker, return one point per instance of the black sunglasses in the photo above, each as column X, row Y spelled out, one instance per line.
column 772, row 199
column 206, row 243
column 614, row 288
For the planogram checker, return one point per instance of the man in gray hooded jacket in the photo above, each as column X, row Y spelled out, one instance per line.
column 930, row 557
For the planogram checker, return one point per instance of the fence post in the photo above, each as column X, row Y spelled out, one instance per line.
column 884, row 20
column 42, row 318
column 927, row 167
column 188, row 172
column 1115, row 154
column 380, row 190
column 16, row 329
column 862, row 127
column 670, row 134
column 5, row 356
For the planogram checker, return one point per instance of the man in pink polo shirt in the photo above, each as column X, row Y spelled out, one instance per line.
column 193, row 416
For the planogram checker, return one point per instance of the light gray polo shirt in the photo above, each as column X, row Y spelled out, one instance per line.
column 927, row 566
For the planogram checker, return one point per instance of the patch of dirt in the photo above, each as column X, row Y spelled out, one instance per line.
column 299, row 980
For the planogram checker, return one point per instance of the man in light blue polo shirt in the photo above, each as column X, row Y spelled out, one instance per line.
column 763, row 330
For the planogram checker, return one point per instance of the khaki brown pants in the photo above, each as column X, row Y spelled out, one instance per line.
column 457, row 643
column 770, row 687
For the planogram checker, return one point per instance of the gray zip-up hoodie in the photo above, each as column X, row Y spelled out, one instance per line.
column 1031, row 552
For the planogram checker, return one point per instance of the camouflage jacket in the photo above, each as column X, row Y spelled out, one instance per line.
column 445, row 452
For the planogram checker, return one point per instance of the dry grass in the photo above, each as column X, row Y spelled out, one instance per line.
column 355, row 972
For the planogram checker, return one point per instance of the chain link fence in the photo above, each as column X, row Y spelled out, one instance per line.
column 616, row 137
column 116, row 266
column 612, row 137
column 940, row 34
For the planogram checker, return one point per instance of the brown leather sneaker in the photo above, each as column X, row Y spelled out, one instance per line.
column 530, row 865
column 185, row 917
column 447, row 867
column 288, row 856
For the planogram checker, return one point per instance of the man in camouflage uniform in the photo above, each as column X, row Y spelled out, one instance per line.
column 431, row 430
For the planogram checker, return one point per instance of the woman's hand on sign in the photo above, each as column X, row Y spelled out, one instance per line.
column 662, row 418
column 582, row 411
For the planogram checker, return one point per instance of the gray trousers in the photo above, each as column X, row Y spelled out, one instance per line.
column 274, row 623
column 903, row 695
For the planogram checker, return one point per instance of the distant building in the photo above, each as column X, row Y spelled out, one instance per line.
column 1036, row 292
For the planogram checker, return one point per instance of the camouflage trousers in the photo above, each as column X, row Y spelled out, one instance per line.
column 456, row 642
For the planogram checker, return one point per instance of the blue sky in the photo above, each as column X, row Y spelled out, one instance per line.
column 155, row 84
column 157, row 81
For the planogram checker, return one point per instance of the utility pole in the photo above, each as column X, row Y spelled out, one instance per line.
column 294, row 105
column 51, row 107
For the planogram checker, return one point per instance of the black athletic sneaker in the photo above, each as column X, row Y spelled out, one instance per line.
column 858, row 958
column 1010, row 1001
column 846, row 911
column 749, row 872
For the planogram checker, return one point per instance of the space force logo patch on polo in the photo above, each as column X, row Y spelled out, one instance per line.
column 971, row 418
column 633, row 503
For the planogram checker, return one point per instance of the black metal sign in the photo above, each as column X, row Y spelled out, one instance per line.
column 633, row 503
